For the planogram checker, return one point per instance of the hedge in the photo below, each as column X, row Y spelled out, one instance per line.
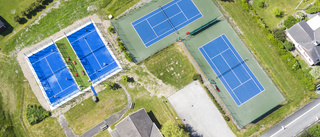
column 36, row 114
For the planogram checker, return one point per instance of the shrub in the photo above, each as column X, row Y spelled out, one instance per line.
column 111, row 85
column 197, row 77
column 111, row 30
column 124, row 78
column 17, row 18
column 36, row 114
column 118, row 39
column 226, row 118
column 313, row 9
column 279, row 34
column 261, row 3
column 23, row 13
column 121, row 46
column 290, row 21
column 128, row 56
column 277, row 12
column 172, row 129
column 288, row 45
column 215, row 102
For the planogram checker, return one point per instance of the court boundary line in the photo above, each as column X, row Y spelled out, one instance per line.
column 41, row 58
column 102, row 68
column 92, row 52
column 241, row 64
column 152, row 27
column 253, row 74
column 223, row 78
column 81, row 36
column 64, row 89
column 53, row 74
column 166, row 32
column 231, row 68
column 166, row 20
column 243, row 83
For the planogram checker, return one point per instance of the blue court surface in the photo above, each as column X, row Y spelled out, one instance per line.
column 165, row 20
column 53, row 74
column 92, row 52
column 231, row 69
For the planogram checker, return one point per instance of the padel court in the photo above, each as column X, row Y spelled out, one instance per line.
column 231, row 69
column 165, row 20
column 53, row 74
column 92, row 52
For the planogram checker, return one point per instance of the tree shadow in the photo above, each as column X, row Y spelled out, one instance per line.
column 266, row 114
column 192, row 131
column 8, row 28
column 23, row 21
column 130, row 79
column 154, row 119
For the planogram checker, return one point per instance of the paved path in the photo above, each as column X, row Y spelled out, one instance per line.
column 64, row 124
column 297, row 122
column 110, row 120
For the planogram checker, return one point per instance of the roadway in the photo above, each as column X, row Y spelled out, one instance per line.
column 294, row 124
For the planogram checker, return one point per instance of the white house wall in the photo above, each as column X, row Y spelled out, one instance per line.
column 301, row 50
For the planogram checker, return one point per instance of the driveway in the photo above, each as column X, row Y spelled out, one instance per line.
column 198, row 112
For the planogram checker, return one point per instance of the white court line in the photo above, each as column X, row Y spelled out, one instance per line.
column 92, row 52
column 152, row 28
column 43, row 58
column 62, row 90
column 242, row 84
column 166, row 20
column 53, row 74
column 230, row 68
column 219, row 53
column 169, row 30
column 102, row 68
column 295, row 119
column 222, row 76
column 242, row 65
column 81, row 36
column 181, row 11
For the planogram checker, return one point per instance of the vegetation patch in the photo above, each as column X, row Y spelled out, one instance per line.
column 36, row 114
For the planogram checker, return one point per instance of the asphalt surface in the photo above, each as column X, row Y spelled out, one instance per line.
column 294, row 124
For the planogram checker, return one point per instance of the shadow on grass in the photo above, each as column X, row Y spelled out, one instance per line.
column 8, row 28
column 154, row 119
column 193, row 132
column 266, row 114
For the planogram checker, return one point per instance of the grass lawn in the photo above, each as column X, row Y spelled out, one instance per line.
column 274, row 66
column 171, row 65
column 116, row 7
column 104, row 133
column 110, row 101
column 288, row 6
column 67, row 51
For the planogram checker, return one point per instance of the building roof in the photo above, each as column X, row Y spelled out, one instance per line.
column 307, row 34
column 1, row 23
column 137, row 124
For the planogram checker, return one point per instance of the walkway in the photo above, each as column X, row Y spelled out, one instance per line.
column 297, row 122
column 110, row 120
column 64, row 124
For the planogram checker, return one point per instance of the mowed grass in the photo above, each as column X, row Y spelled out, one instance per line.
column 274, row 66
column 116, row 7
column 288, row 6
column 171, row 65
column 67, row 51
column 88, row 114
column 16, row 95
column 104, row 133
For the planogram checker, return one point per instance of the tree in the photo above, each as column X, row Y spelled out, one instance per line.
column 279, row 34
column 197, row 77
column 172, row 129
column 261, row 3
column 124, row 78
column 23, row 13
column 289, row 22
column 128, row 56
column 36, row 114
column 111, row 30
column 277, row 12
column 288, row 45
column 17, row 18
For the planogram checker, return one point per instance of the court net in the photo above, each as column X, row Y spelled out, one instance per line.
column 91, row 52
column 164, row 14
column 240, row 63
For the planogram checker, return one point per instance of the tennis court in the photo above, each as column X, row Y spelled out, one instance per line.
column 231, row 69
column 95, row 57
column 165, row 20
column 56, row 80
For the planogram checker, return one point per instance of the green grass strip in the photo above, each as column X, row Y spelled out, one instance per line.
column 67, row 51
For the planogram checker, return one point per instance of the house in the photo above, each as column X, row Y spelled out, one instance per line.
column 2, row 26
column 306, row 38
column 137, row 124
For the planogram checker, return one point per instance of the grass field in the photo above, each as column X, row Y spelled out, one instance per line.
column 271, row 61
column 288, row 6
column 110, row 101
column 66, row 50
column 171, row 65
column 104, row 133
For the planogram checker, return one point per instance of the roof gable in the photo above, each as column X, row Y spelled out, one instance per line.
column 301, row 32
column 314, row 23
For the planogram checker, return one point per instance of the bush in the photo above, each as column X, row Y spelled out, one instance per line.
column 261, row 3
column 277, row 12
column 279, row 34
column 111, row 30
column 23, row 13
column 172, row 129
column 17, row 18
column 118, row 39
column 215, row 102
column 226, row 118
column 121, row 46
column 313, row 9
column 290, row 21
column 124, row 78
column 288, row 45
column 111, row 85
column 128, row 56
column 197, row 77
column 36, row 114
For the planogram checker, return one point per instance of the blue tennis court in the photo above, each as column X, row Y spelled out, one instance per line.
column 165, row 20
column 92, row 52
column 53, row 74
column 231, row 69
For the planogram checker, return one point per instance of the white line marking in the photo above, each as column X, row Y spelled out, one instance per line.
column 102, row 68
column 92, row 53
column 43, row 57
column 182, row 11
column 62, row 91
column 242, row 84
column 220, row 53
column 152, row 28
column 230, row 68
column 53, row 74
column 295, row 119
column 80, row 37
